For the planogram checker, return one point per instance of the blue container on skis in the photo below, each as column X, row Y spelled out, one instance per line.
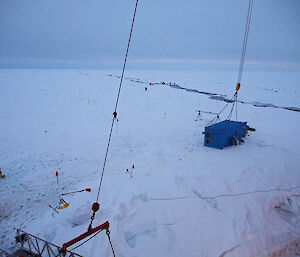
column 225, row 133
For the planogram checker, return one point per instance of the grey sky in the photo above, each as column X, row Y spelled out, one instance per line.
column 94, row 30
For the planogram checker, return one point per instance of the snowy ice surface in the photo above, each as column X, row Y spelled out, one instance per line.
column 184, row 199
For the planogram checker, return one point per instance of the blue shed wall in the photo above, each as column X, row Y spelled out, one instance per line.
column 218, row 134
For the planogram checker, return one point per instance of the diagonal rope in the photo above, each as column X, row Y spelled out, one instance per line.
column 111, row 246
column 243, row 54
column 241, row 66
column 218, row 115
column 236, row 109
column 117, row 101
column 86, row 240
column 231, row 111
column 244, row 47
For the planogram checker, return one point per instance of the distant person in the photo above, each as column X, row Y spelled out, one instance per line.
column 1, row 175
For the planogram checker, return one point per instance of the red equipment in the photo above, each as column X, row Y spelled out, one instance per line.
column 84, row 235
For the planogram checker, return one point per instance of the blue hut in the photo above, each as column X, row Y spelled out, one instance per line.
column 225, row 133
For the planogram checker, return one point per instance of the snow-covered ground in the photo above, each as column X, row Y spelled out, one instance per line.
column 184, row 199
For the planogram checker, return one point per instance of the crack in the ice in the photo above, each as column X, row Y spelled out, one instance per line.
column 222, row 195
column 213, row 96
column 229, row 250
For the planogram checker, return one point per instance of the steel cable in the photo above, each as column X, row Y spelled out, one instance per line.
column 117, row 101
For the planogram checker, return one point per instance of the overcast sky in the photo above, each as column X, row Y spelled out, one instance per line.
column 36, row 32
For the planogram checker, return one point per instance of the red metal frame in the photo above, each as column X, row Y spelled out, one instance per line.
column 105, row 225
